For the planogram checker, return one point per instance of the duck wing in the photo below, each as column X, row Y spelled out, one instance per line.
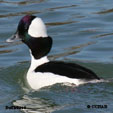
column 70, row 70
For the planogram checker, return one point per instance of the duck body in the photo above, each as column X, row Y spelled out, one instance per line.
column 42, row 72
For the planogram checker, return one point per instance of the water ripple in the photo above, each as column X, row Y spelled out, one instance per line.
column 3, row 46
column 82, row 32
column 62, row 7
column 25, row 2
column 60, row 23
column 19, row 13
column 102, row 35
column 36, row 104
column 105, row 11
column 5, row 51
column 71, row 50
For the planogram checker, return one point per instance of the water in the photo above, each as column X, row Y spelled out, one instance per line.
column 82, row 33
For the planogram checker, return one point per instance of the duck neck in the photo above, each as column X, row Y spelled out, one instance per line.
column 37, row 62
column 40, row 46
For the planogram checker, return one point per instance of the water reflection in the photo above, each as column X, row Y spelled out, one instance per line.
column 35, row 104
column 59, row 96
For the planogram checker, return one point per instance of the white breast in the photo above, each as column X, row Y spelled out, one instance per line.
column 39, row 80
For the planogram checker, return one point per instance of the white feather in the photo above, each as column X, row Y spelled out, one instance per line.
column 39, row 80
column 37, row 28
column 37, row 62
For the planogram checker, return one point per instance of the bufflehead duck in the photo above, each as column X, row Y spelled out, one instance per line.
column 32, row 31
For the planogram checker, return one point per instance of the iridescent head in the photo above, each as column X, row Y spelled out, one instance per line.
column 29, row 26
column 32, row 31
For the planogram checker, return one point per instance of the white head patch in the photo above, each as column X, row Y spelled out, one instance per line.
column 37, row 28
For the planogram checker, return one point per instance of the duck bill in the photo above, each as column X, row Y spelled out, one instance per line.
column 13, row 38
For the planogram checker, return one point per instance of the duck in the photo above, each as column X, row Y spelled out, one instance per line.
column 42, row 72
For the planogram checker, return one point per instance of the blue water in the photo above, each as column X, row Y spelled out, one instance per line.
column 82, row 31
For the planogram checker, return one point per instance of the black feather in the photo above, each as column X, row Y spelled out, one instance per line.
column 70, row 70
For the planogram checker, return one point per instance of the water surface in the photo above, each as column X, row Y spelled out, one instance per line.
column 82, row 31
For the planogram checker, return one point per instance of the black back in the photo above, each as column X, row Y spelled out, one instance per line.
column 67, row 69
